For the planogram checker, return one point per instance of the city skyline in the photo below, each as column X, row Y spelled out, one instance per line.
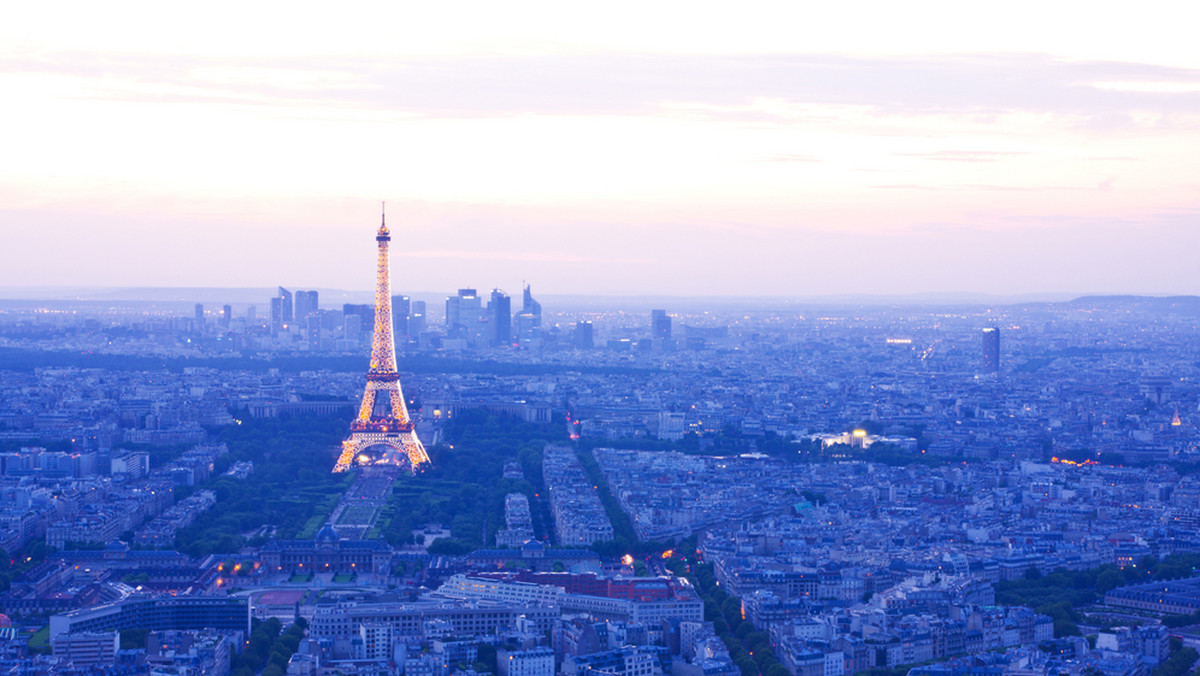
column 926, row 150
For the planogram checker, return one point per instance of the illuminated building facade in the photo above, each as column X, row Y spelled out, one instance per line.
column 383, row 433
column 157, row 613
column 327, row 553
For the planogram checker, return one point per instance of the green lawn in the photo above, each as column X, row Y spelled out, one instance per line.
column 40, row 641
column 357, row 515
column 345, row 578
column 311, row 527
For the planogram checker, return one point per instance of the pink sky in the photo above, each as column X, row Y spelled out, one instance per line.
column 683, row 149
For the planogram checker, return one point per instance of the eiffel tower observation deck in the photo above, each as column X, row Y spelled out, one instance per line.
column 383, row 432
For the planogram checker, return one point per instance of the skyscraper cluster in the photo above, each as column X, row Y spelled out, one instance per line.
column 473, row 320
column 472, row 324
column 659, row 340
column 300, row 310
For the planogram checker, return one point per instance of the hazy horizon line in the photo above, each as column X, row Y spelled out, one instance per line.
column 112, row 293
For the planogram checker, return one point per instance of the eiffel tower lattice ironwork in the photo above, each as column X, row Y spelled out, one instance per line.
column 383, row 421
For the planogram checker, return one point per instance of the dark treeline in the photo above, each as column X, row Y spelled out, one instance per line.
column 749, row 648
column 1178, row 664
column 19, row 359
column 732, row 442
column 464, row 488
column 624, row 539
column 13, row 564
column 267, row 649
column 292, row 481
column 1060, row 593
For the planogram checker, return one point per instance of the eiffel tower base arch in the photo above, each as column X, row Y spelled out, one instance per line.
column 397, row 449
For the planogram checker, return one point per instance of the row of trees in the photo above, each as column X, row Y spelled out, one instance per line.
column 624, row 539
column 268, row 650
column 1177, row 664
column 749, row 648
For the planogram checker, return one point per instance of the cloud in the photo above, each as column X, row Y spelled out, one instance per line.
column 792, row 158
column 964, row 155
column 520, row 257
column 640, row 83
column 1011, row 188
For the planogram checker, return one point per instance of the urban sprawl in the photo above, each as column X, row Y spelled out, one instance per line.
column 725, row 490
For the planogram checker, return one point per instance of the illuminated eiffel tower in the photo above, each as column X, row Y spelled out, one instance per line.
column 382, row 434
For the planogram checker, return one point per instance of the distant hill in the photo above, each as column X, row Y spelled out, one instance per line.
column 1170, row 304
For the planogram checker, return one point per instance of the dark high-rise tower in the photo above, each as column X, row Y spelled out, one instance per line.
column 531, row 306
column 285, row 305
column 382, row 422
column 416, row 319
column 365, row 312
column 306, row 304
column 463, row 313
column 991, row 350
column 529, row 320
column 401, row 310
column 226, row 315
column 276, row 314
column 584, row 339
column 660, row 324
column 312, row 327
column 500, row 318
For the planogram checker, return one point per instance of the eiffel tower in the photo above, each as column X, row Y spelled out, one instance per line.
column 382, row 434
